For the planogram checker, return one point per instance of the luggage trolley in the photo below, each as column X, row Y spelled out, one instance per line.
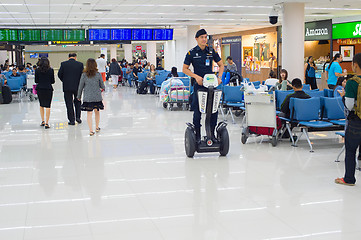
column 31, row 87
column 261, row 113
column 178, row 95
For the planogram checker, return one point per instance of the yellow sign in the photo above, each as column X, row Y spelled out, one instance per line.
column 65, row 42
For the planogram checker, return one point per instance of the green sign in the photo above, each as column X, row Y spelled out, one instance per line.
column 29, row 35
column 8, row 35
column 74, row 35
column 346, row 30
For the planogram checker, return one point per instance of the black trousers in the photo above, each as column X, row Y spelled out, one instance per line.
column 71, row 101
column 352, row 142
column 312, row 81
column 197, row 115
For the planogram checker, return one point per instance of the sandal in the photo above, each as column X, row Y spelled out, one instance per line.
column 342, row 181
column 47, row 126
column 97, row 129
column 42, row 124
column 91, row 133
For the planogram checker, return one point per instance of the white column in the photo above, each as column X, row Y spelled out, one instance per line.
column 3, row 56
column 113, row 52
column 293, row 38
column 128, row 52
column 152, row 53
column 169, row 55
column 191, row 33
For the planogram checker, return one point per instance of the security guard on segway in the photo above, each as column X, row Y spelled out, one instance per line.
column 201, row 57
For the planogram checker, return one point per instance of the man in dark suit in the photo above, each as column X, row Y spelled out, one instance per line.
column 69, row 73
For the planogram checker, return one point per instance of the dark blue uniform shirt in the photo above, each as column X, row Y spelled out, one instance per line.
column 202, row 60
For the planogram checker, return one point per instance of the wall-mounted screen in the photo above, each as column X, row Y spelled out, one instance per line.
column 121, row 34
column 99, row 34
column 43, row 55
column 34, row 55
column 51, row 35
column 142, row 34
column 163, row 34
column 8, row 35
column 28, row 35
column 74, row 35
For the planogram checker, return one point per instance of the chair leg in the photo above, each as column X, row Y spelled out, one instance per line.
column 290, row 133
column 233, row 121
column 222, row 112
column 308, row 139
column 339, row 155
column 298, row 138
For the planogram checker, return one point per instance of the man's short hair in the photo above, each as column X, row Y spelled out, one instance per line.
column 72, row 55
column 102, row 55
column 297, row 83
column 229, row 58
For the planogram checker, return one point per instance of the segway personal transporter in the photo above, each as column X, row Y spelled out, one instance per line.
column 208, row 104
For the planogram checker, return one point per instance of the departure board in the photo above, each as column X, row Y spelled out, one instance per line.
column 162, row 34
column 8, row 35
column 142, row 34
column 52, row 35
column 99, row 34
column 121, row 34
column 74, row 35
column 28, row 35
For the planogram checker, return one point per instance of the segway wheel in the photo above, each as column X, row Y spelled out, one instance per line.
column 224, row 139
column 190, row 142
column 165, row 105
column 274, row 141
column 179, row 105
column 244, row 138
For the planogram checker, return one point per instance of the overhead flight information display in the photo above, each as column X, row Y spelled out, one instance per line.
column 99, row 34
column 74, row 35
column 121, row 34
column 142, row 34
column 51, row 35
column 162, row 34
column 28, row 35
column 8, row 35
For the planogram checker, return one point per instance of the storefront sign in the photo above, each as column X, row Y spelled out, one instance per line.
column 259, row 37
column 138, row 47
column 314, row 31
column 231, row 40
column 346, row 30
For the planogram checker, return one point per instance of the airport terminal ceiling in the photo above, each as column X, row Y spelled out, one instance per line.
column 216, row 16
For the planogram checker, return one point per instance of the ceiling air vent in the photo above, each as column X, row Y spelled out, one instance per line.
column 101, row 10
column 182, row 20
column 321, row 13
column 90, row 20
column 217, row 11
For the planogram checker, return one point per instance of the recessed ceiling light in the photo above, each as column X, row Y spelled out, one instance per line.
column 86, row 3
column 321, row 13
column 90, row 20
column 182, row 20
column 101, row 10
column 217, row 11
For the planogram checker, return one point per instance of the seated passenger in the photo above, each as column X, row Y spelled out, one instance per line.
column 159, row 67
column 14, row 74
column 272, row 80
column 231, row 66
column 22, row 73
column 283, row 84
column 129, row 73
column 340, row 87
column 3, row 79
column 299, row 93
column 173, row 73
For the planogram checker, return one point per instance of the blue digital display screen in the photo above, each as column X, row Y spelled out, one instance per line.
column 142, row 34
column 163, row 34
column 121, row 34
column 99, row 34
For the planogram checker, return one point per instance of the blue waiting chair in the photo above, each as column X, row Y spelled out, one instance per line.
column 159, row 79
column 333, row 110
column 306, row 87
column 280, row 97
column 232, row 98
column 306, row 113
column 15, row 85
column 315, row 93
column 328, row 93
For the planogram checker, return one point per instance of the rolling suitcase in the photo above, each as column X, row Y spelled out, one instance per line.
column 143, row 88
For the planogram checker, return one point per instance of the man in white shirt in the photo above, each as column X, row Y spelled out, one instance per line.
column 102, row 64
column 272, row 80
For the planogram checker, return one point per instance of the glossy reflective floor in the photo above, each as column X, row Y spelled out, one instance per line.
column 132, row 181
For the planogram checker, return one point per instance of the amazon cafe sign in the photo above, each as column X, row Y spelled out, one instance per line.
column 346, row 30
column 314, row 31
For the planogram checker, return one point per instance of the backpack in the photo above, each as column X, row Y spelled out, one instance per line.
column 358, row 101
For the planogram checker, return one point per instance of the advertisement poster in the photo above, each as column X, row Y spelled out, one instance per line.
column 217, row 48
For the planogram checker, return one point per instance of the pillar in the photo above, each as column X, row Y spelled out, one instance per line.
column 191, row 33
column 128, row 52
column 169, row 55
column 293, row 38
column 113, row 52
column 152, row 53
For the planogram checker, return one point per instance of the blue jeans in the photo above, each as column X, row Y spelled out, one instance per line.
column 197, row 115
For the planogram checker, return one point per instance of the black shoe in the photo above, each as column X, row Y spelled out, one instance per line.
column 47, row 126
column 42, row 124
column 71, row 123
column 198, row 134
column 78, row 120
